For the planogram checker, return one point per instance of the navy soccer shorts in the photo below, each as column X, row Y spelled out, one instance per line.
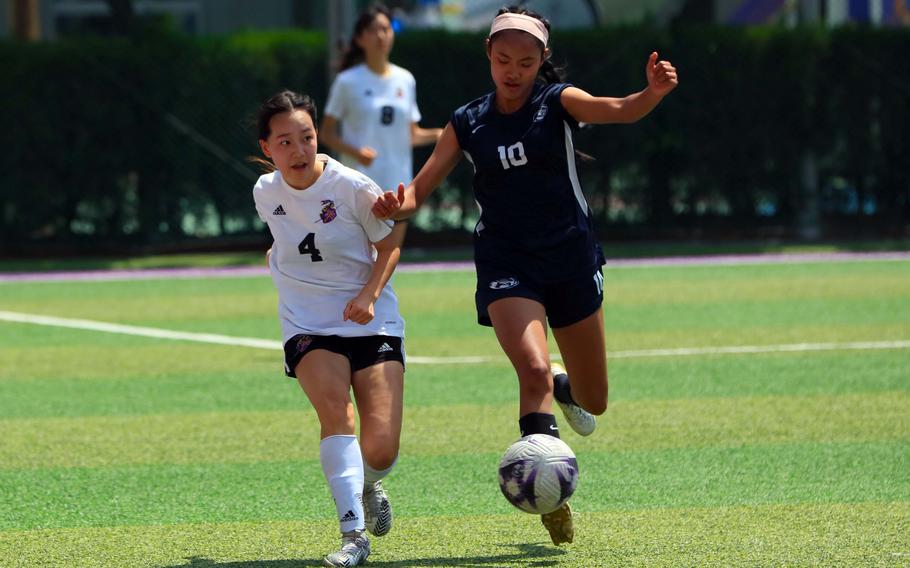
column 565, row 302
column 362, row 352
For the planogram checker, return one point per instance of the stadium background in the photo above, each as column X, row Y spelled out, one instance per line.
column 125, row 127
column 758, row 402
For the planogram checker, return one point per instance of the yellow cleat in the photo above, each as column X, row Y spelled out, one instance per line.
column 560, row 525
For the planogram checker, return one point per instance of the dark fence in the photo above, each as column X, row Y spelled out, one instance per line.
column 140, row 144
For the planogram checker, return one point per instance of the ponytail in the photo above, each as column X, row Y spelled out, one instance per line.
column 549, row 73
column 353, row 55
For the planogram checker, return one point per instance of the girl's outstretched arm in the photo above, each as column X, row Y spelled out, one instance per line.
column 662, row 78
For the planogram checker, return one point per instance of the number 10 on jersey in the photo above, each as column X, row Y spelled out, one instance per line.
column 514, row 155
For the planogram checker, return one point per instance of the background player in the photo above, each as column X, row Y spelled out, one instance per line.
column 376, row 103
column 339, row 316
column 535, row 250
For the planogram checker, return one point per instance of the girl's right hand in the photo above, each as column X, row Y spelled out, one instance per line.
column 359, row 310
column 389, row 203
column 366, row 155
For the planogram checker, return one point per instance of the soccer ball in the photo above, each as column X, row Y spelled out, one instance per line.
column 538, row 473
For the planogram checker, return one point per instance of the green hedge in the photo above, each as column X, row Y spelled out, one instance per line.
column 112, row 143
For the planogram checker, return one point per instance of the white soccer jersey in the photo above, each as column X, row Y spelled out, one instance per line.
column 322, row 254
column 378, row 112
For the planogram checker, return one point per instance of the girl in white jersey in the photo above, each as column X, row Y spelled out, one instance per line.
column 331, row 262
column 376, row 103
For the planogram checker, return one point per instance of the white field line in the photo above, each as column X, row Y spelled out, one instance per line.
column 212, row 338
column 122, row 329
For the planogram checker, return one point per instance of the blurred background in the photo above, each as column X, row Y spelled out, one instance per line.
column 125, row 124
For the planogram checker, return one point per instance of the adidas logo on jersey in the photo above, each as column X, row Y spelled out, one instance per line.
column 349, row 516
column 385, row 348
column 279, row 211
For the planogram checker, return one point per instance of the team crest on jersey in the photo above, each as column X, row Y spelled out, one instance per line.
column 399, row 93
column 540, row 113
column 328, row 213
column 504, row 283
column 304, row 342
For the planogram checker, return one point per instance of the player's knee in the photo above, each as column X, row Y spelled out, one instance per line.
column 381, row 455
column 598, row 407
column 535, row 379
column 592, row 400
column 336, row 417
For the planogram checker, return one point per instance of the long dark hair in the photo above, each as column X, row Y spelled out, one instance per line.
column 353, row 53
column 549, row 73
column 282, row 101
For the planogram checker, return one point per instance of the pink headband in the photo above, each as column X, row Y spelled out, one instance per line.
column 509, row 21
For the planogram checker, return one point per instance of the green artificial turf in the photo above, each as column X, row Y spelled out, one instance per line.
column 858, row 534
column 119, row 450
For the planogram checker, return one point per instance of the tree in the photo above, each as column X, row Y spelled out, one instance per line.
column 25, row 20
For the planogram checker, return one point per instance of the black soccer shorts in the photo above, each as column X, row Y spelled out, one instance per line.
column 362, row 352
column 565, row 302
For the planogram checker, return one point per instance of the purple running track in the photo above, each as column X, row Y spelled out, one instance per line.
column 255, row 271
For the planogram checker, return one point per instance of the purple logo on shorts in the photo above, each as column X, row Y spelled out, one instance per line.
column 304, row 342
column 328, row 213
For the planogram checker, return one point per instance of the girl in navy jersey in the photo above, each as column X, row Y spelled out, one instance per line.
column 331, row 262
column 536, row 253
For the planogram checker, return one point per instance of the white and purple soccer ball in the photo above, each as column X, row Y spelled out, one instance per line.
column 538, row 473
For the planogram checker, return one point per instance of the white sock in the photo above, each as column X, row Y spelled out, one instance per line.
column 371, row 475
column 343, row 469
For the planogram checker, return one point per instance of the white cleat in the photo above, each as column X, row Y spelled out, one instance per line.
column 581, row 421
column 377, row 511
column 354, row 552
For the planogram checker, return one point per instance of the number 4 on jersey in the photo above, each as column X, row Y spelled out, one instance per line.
column 308, row 246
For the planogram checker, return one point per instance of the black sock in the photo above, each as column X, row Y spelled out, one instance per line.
column 538, row 423
column 562, row 391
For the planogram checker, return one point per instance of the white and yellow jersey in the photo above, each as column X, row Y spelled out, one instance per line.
column 322, row 253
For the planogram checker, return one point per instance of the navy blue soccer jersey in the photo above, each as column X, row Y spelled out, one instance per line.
column 533, row 214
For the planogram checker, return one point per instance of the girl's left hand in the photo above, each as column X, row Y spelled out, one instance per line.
column 662, row 77
column 359, row 310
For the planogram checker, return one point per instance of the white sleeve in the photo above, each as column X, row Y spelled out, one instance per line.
column 365, row 195
column 257, row 191
column 415, row 111
column 337, row 103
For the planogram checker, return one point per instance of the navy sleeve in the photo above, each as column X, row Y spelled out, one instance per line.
column 459, row 122
column 554, row 101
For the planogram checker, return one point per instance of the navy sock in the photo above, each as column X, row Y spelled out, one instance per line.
column 538, row 423
column 562, row 390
